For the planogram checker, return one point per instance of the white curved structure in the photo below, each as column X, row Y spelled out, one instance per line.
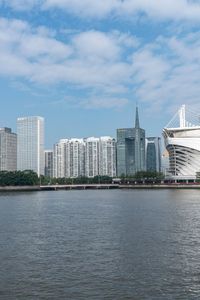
column 183, row 145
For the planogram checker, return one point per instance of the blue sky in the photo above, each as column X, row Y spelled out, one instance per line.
column 84, row 64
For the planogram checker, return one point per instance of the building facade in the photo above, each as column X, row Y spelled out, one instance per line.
column 8, row 150
column 30, row 144
column 153, row 154
column 69, row 158
column 131, row 149
column 107, row 156
column 92, row 157
column 48, row 167
column 88, row 157
column 182, row 142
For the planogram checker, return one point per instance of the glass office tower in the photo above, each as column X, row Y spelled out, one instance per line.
column 30, row 144
column 131, row 149
column 153, row 154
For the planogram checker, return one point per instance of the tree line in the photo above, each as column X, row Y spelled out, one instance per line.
column 19, row 178
column 29, row 177
column 143, row 177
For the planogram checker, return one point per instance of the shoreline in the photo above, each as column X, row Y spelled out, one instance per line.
column 97, row 187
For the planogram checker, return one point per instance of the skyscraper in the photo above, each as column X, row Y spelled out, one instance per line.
column 30, row 144
column 8, row 150
column 153, row 154
column 131, row 149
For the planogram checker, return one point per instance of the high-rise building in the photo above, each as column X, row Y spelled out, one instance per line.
column 8, row 150
column 153, row 154
column 131, row 149
column 60, row 159
column 77, row 157
column 107, row 156
column 69, row 158
column 182, row 141
column 48, row 168
column 92, row 157
column 30, row 144
column 88, row 157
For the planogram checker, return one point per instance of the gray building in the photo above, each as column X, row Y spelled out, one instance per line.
column 30, row 144
column 48, row 168
column 131, row 149
column 8, row 150
column 153, row 154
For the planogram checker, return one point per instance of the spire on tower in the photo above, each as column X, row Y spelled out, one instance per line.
column 137, row 123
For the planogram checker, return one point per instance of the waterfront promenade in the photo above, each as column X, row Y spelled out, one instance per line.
column 98, row 187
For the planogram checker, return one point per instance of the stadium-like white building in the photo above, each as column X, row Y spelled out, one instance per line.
column 182, row 142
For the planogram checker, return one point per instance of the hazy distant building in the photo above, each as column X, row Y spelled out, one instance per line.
column 153, row 154
column 48, row 168
column 8, row 150
column 131, row 149
column 30, row 144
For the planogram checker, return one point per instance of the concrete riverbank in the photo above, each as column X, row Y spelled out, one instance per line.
column 20, row 188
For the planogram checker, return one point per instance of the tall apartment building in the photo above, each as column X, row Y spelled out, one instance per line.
column 92, row 157
column 88, row 157
column 107, row 156
column 48, row 168
column 100, row 156
column 69, row 158
column 153, row 154
column 30, row 144
column 8, row 150
column 77, row 157
column 131, row 149
column 59, row 159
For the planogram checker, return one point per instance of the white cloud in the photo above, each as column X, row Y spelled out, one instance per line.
column 89, row 59
column 96, row 103
column 114, row 64
column 84, row 7
column 170, row 9
column 155, row 9
column 96, row 45
column 170, row 75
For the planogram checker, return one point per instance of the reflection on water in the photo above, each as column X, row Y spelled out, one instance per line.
column 100, row 245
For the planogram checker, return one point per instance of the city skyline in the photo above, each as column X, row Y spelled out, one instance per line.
column 83, row 65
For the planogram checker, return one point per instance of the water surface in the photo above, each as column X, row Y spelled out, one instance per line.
column 112, row 244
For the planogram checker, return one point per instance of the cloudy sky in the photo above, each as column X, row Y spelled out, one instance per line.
column 84, row 64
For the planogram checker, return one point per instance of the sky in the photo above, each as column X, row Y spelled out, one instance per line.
column 84, row 65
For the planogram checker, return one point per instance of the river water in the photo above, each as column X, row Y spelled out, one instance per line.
column 108, row 244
